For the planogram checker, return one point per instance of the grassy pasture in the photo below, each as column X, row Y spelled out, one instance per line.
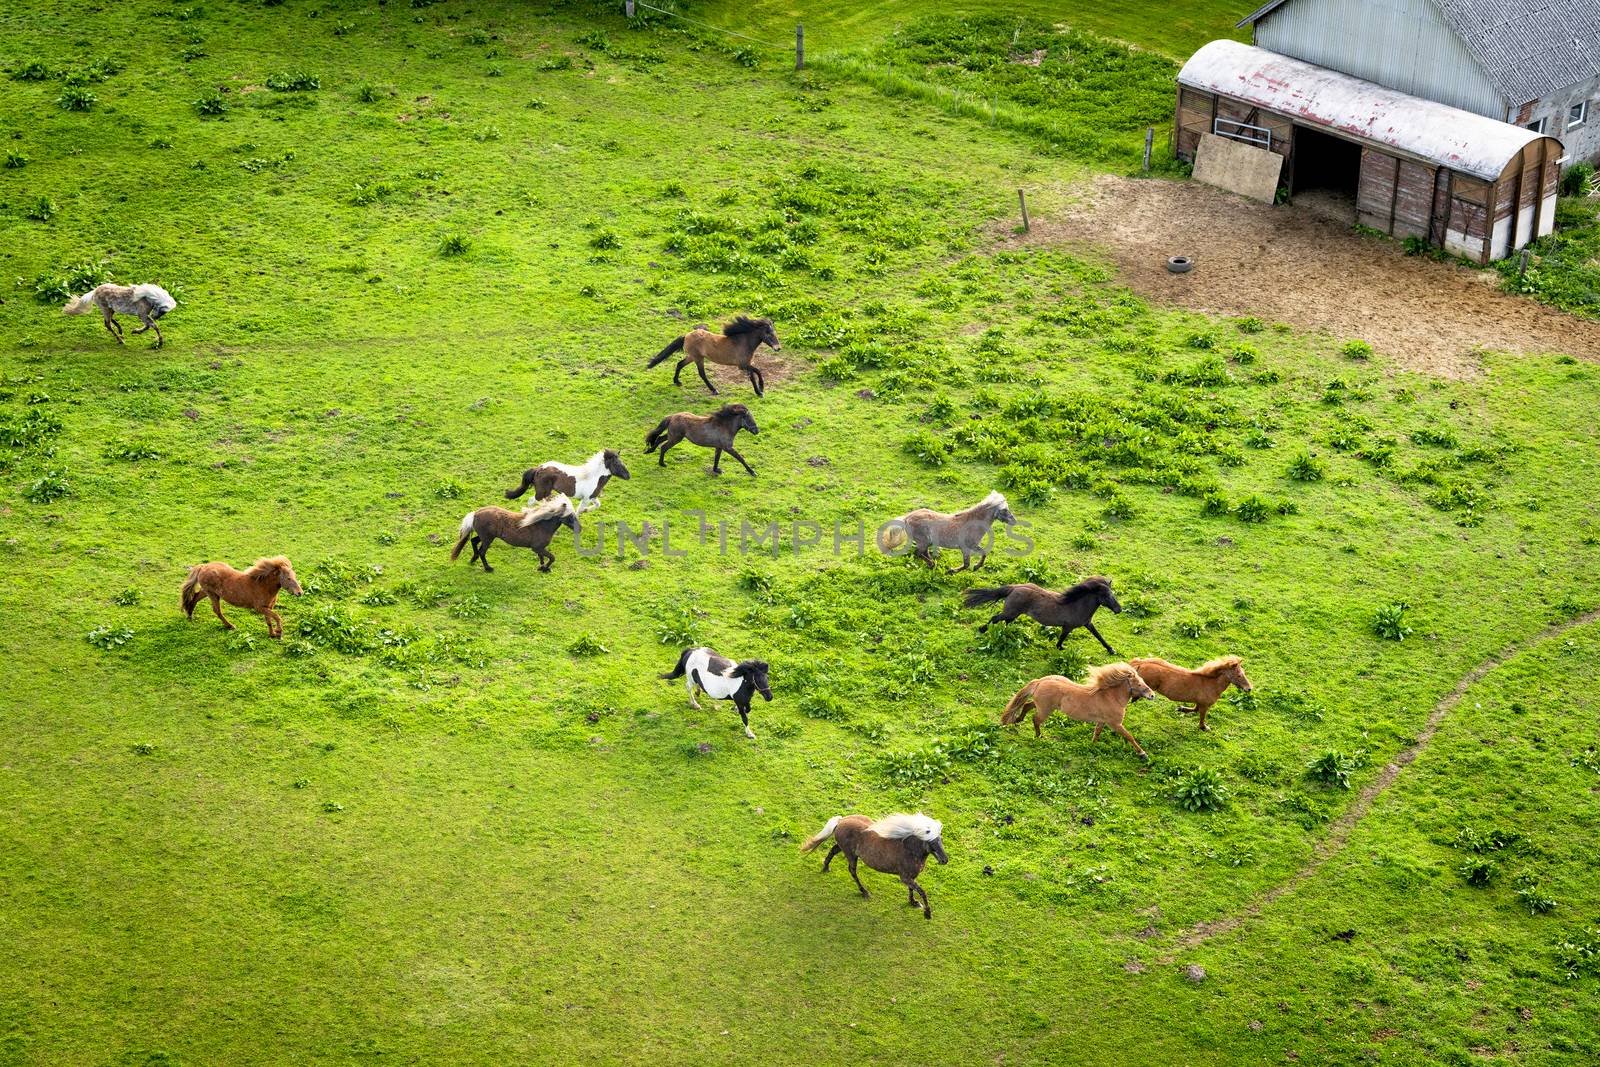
column 454, row 817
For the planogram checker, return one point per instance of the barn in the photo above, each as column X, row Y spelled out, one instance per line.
column 1410, row 166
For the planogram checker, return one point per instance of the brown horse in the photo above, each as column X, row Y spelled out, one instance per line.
column 895, row 844
column 256, row 589
column 715, row 431
column 735, row 346
column 533, row 528
column 1104, row 701
column 1068, row 609
column 1203, row 685
column 933, row 530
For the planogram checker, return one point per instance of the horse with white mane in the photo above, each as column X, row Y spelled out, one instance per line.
column 965, row 531
column 148, row 302
column 582, row 483
column 534, row 527
column 895, row 844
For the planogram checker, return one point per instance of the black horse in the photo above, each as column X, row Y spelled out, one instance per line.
column 1068, row 609
column 720, row 677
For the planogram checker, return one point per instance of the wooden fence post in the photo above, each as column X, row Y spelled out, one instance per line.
column 1022, row 201
column 1149, row 139
column 799, row 47
column 628, row 8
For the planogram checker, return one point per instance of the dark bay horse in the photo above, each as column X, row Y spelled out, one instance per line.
column 1068, row 609
column 533, row 528
column 933, row 530
column 255, row 589
column 715, row 431
column 735, row 346
column 895, row 844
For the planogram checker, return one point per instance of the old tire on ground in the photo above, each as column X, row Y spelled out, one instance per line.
column 1179, row 264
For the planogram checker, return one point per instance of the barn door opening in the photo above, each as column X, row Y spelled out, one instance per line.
column 1327, row 170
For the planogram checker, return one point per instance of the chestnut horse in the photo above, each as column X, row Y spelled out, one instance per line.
column 895, row 844
column 715, row 431
column 1203, row 685
column 932, row 530
column 1068, row 609
column 1104, row 701
column 735, row 346
column 256, row 589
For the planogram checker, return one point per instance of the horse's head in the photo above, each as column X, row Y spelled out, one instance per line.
column 614, row 465
column 286, row 579
column 1234, row 672
column 769, row 336
column 755, row 670
column 1104, row 596
column 739, row 417
column 569, row 515
column 936, row 849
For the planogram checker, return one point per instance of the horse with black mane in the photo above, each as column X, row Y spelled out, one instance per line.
column 719, row 677
column 715, row 431
column 1068, row 609
column 735, row 346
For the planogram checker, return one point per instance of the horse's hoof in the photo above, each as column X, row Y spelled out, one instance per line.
column 926, row 914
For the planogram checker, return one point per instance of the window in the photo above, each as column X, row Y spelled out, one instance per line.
column 1578, row 114
column 1537, row 126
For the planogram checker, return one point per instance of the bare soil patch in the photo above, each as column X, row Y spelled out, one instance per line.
column 1302, row 268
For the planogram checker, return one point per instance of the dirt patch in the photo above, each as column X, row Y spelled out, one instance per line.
column 1310, row 271
column 775, row 367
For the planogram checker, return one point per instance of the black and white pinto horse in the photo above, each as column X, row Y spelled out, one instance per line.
column 721, row 678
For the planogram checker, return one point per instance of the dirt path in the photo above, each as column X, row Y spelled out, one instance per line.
column 1341, row 829
column 1290, row 265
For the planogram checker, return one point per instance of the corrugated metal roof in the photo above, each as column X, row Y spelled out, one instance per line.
column 1387, row 118
column 1527, row 48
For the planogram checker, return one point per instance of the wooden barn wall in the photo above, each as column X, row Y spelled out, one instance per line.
column 1413, row 200
column 1375, row 190
column 1196, row 109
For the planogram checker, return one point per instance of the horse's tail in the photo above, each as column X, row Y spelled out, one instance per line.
column 79, row 304
column 1019, row 704
column 527, row 480
column 892, row 536
column 676, row 345
column 653, row 438
column 821, row 835
column 466, row 532
column 191, row 591
column 983, row 595
column 677, row 672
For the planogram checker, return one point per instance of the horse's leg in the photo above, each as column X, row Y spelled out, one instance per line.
column 216, row 607
column 744, row 716
column 274, row 623
column 159, row 339
column 1090, row 627
column 1202, row 709
column 755, row 382
column 911, row 894
column 761, row 381
column 730, row 450
column 700, row 365
column 1123, row 730
column 674, row 435
column 691, row 682
column 966, row 561
column 1062, row 640
column 981, row 561
column 111, row 326
column 927, row 912
column 483, row 552
column 716, row 461
column 546, row 559
column 1096, row 736
column 832, row 852
column 682, row 363
column 852, row 861
column 1039, row 716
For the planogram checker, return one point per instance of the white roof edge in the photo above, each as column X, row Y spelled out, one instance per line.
column 1341, row 103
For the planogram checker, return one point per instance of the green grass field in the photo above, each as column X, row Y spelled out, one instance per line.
column 455, row 817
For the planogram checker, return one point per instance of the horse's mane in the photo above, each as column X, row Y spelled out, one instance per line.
column 728, row 411
column 268, row 564
column 1110, row 674
column 990, row 504
column 744, row 324
column 1221, row 663
column 553, row 508
column 898, row 826
column 1085, row 587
